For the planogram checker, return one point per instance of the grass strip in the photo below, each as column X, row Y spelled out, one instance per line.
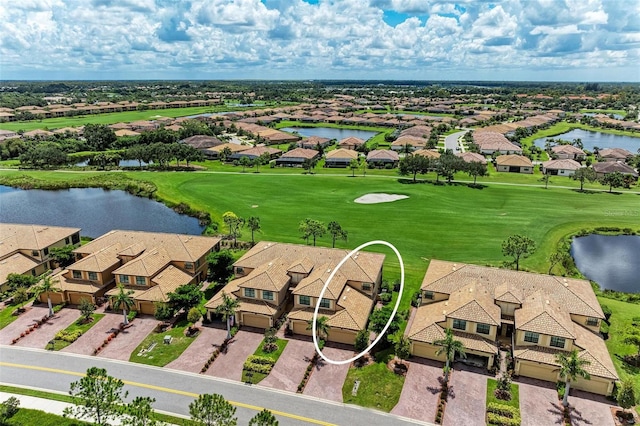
column 80, row 326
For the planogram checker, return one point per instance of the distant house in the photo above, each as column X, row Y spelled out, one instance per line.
column 7, row 134
column 214, row 152
column 472, row 157
column 568, row 152
column 126, row 132
column 296, row 157
column 513, row 163
column 255, row 152
column 202, row 142
column 431, row 154
column 490, row 142
column 614, row 154
column 408, row 143
column 560, row 167
column 351, row 143
column 382, row 158
column 607, row 167
column 37, row 134
column 313, row 142
column 340, row 157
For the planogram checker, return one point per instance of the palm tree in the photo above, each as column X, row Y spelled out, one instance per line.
column 571, row 367
column 123, row 300
column 227, row 309
column 253, row 223
column 450, row 347
column 322, row 327
column 47, row 287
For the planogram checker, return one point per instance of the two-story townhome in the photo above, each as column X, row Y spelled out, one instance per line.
column 536, row 315
column 270, row 275
column 25, row 249
column 151, row 264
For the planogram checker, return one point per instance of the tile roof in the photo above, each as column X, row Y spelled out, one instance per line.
column 561, row 164
column 16, row 264
column 469, row 157
column 313, row 284
column 541, row 315
column 595, row 351
column 15, row 236
column 614, row 166
column 513, row 160
column 567, row 149
column 382, row 154
column 342, row 153
column 271, row 276
column 424, row 327
column 476, row 343
column 473, row 303
column 300, row 153
column 147, row 264
column 99, row 261
column 429, row 153
column 303, row 265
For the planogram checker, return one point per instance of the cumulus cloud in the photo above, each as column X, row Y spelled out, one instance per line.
column 325, row 39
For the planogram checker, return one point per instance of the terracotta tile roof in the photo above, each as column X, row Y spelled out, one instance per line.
column 513, row 160
column 561, row 164
column 537, row 354
column 567, row 149
column 313, row 284
column 415, row 141
column 424, row 327
column 357, row 307
column 303, row 265
column 69, row 284
column 99, row 261
column 541, row 315
column 342, row 153
column 473, row 303
column 147, row 264
column 233, row 147
column 351, row 141
column 506, row 292
column 16, row 264
column 15, row 236
column 595, row 350
column 202, row 141
column 300, row 153
column 618, row 153
column 382, row 154
column 429, row 153
column 257, row 307
column 476, row 343
column 614, row 166
column 167, row 281
column 271, row 276
column 469, row 157
column 230, row 289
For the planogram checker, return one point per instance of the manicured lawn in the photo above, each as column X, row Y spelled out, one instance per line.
column 5, row 315
column 79, row 325
column 606, row 111
column 379, row 387
column 492, row 385
column 163, row 353
column 27, row 416
column 257, row 377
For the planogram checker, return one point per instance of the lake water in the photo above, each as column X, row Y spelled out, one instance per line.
column 96, row 211
column 123, row 163
column 601, row 140
column 611, row 261
column 330, row 132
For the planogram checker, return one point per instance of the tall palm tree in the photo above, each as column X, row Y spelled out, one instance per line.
column 47, row 286
column 253, row 223
column 571, row 367
column 322, row 327
column 123, row 300
column 227, row 309
column 450, row 346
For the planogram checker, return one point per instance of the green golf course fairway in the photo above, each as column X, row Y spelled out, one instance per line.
column 450, row 222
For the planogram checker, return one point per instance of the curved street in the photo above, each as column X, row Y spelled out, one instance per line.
column 451, row 141
column 174, row 390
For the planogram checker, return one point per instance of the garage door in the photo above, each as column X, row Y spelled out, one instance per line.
column 595, row 385
column 147, row 308
column 536, row 371
column 341, row 336
column 74, row 298
column 258, row 321
column 300, row 327
column 425, row 350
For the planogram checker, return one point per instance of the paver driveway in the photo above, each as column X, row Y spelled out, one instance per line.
column 466, row 403
column 122, row 346
column 589, row 409
column 22, row 323
column 327, row 379
column 47, row 331
column 421, row 390
column 229, row 365
column 94, row 337
column 289, row 370
column 199, row 351
column 538, row 402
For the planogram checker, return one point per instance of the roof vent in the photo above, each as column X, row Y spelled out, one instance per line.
column 344, row 297
column 329, row 270
column 546, row 301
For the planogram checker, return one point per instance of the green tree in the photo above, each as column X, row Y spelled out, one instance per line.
column 253, row 223
column 626, row 397
column 413, row 164
column 99, row 136
column 401, row 345
column 263, row 418
column 20, row 296
column 518, row 247
column 336, row 232
column 224, row 154
column 185, row 297
column 47, row 286
column 139, row 412
column 632, row 337
column 312, row 228
column 560, row 256
column 380, row 317
column 8, row 409
column 194, row 315
column 15, row 281
column 309, row 164
column 96, row 396
column 263, row 159
column 614, row 180
column 220, row 266
column 245, row 162
column 123, row 300
column 362, row 340
column 584, row 174
column 234, row 223
column 212, row 410
column 476, row 169
column 63, row 256
column 354, row 165
column 87, row 308
column 571, row 367
column 227, row 309
column 447, row 165
column 322, row 327
column 449, row 346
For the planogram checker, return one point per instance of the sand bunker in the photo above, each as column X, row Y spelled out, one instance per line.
column 379, row 198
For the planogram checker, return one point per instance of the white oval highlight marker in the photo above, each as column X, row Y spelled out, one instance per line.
column 393, row 314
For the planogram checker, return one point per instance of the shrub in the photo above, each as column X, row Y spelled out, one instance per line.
column 498, row 420
column 163, row 311
column 607, row 312
column 502, row 409
column 8, row 409
column 259, row 364
column 385, row 298
column 233, row 331
column 68, row 336
column 131, row 315
column 194, row 315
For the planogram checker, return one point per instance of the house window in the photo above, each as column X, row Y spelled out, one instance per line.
column 124, row 279
column 592, row 321
column 198, row 263
column 249, row 292
column 93, row 276
column 35, row 253
column 482, row 328
column 531, row 337
column 267, row 295
column 557, row 342
column 46, row 251
column 459, row 324
column 304, row 300
column 428, row 295
column 75, row 238
column 188, row 265
column 366, row 286
column 141, row 281
column 77, row 275
column 239, row 270
column 66, row 241
column 325, row 303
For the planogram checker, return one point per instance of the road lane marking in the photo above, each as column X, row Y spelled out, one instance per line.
column 168, row 390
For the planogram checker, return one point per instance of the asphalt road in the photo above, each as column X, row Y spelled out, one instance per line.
column 451, row 141
column 174, row 390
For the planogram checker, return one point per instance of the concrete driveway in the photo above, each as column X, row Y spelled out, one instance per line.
column 327, row 379
column 538, row 402
column 22, row 323
column 590, row 409
column 127, row 341
column 39, row 337
column 95, row 335
column 229, row 365
column 199, row 351
column 421, row 390
column 466, row 404
column 289, row 370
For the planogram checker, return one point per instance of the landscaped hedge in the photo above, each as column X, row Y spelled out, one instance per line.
column 259, row 364
column 498, row 420
column 68, row 336
column 503, row 410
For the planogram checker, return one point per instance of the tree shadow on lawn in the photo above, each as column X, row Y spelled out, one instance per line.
column 628, row 366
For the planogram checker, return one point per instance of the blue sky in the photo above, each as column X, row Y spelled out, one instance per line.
column 553, row 40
